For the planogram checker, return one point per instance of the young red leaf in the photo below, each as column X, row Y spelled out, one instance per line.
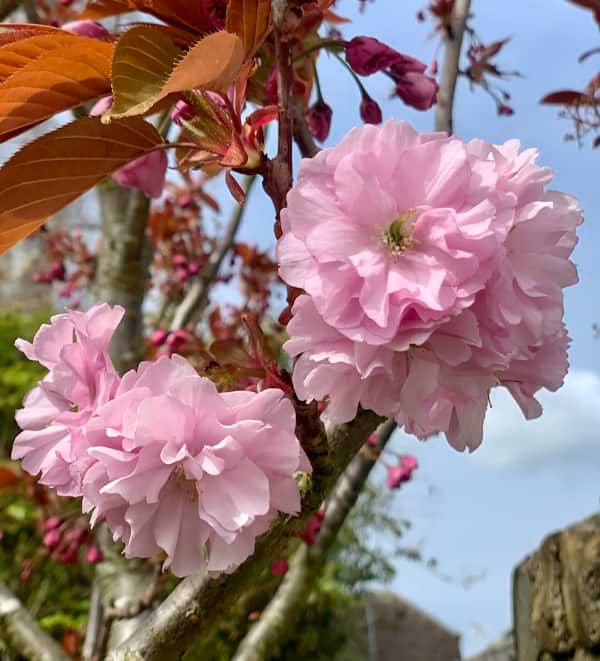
column 565, row 98
column 54, row 170
column 8, row 477
column 251, row 21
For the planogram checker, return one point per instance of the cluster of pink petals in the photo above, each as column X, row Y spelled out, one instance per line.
column 172, row 465
column 433, row 271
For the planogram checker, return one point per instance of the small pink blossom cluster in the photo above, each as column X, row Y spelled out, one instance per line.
column 433, row 271
column 172, row 465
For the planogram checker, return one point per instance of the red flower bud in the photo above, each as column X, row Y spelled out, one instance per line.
column 94, row 554
column 417, row 90
column 505, row 110
column 159, row 337
column 52, row 539
column 370, row 111
column 279, row 567
column 177, row 339
column 367, row 55
column 52, row 522
column 318, row 118
column 86, row 29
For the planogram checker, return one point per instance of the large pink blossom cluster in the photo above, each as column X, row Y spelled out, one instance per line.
column 433, row 271
column 171, row 464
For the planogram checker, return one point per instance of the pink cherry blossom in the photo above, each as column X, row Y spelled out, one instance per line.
column 186, row 470
column 74, row 349
column 402, row 473
column 433, row 272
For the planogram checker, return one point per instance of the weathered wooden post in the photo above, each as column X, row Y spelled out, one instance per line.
column 556, row 597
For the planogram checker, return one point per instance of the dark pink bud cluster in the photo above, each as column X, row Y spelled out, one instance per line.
column 183, row 111
column 217, row 11
column 64, row 542
column 366, row 56
column 402, row 473
column 279, row 566
column 56, row 273
column 173, row 341
column 312, row 528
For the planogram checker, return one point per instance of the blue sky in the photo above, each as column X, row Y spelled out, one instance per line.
column 480, row 514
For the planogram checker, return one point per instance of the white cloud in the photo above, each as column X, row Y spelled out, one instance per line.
column 569, row 428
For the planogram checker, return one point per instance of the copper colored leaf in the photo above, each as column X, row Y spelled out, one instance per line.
column 231, row 352
column 565, row 98
column 251, row 21
column 19, row 53
column 143, row 60
column 188, row 14
column 61, row 79
column 10, row 32
column 213, row 63
column 54, row 170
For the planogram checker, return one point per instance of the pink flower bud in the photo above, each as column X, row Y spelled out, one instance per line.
column 181, row 274
column 57, row 271
column 76, row 535
column 279, row 567
column 216, row 10
column 417, row 90
column 94, row 554
column 367, row 55
column 52, row 539
column 505, row 110
column 52, row 522
column 69, row 555
column 318, row 118
column 370, row 111
column 146, row 173
column 177, row 339
column 86, row 29
column 398, row 475
column 193, row 269
column 182, row 111
column 101, row 106
column 373, row 440
column 159, row 337
column 179, row 260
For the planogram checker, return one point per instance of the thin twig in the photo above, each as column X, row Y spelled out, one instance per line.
column 23, row 633
column 302, row 135
column 445, row 101
column 308, row 561
column 196, row 297
column 31, row 11
column 94, row 633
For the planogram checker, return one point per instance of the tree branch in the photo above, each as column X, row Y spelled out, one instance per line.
column 95, row 630
column 7, row 7
column 31, row 11
column 302, row 135
column 23, row 633
column 123, row 260
column 308, row 561
column 445, row 101
column 198, row 602
column 197, row 295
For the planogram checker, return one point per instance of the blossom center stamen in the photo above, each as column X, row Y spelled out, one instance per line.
column 397, row 237
column 179, row 479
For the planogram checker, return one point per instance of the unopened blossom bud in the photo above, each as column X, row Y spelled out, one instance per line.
column 217, row 11
column 86, row 29
column 505, row 110
column 52, row 539
column 182, row 111
column 193, row 269
column 406, row 64
column 146, row 173
column 279, row 567
column 370, row 111
column 76, row 535
column 417, row 90
column 312, row 528
column 159, row 337
column 433, row 67
column 181, row 274
column 179, row 260
column 52, row 522
column 57, row 271
column 68, row 555
column 398, row 475
column 177, row 339
column 101, row 106
column 318, row 118
column 373, row 440
column 421, row 16
column 367, row 55
column 94, row 554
